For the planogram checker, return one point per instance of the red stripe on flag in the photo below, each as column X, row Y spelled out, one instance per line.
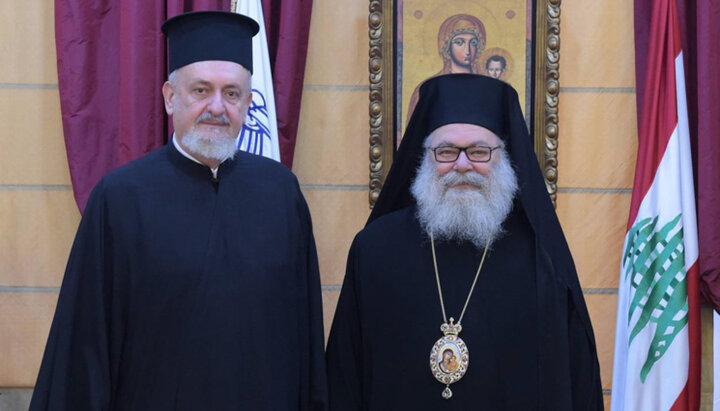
column 695, row 336
column 659, row 116
column 689, row 398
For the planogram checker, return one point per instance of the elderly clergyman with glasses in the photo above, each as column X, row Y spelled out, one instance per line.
column 463, row 261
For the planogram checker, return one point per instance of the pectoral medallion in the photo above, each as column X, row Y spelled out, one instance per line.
column 449, row 357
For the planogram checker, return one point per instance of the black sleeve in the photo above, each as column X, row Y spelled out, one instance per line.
column 344, row 350
column 317, row 386
column 77, row 367
column 584, row 366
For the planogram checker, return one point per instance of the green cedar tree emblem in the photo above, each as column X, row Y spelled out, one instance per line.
column 655, row 260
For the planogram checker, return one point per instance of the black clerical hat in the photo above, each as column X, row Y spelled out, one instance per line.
column 469, row 99
column 210, row 35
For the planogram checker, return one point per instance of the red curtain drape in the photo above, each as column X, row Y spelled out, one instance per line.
column 700, row 26
column 111, row 66
column 288, row 26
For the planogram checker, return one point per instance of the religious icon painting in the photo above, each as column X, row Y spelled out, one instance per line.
column 449, row 360
column 497, row 62
column 484, row 37
column 515, row 41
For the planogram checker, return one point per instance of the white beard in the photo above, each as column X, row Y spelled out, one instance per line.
column 465, row 214
column 213, row 144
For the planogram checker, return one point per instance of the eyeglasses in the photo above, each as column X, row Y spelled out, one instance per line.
column 476, row 154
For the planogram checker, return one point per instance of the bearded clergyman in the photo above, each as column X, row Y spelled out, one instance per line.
column 460, row 292
column 193, row 281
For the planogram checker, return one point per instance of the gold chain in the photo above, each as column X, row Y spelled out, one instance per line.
column 437, row 277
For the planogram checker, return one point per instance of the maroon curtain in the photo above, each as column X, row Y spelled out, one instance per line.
column 700, row 26
column 111, row 61
column 288, row 25
column 705, row 71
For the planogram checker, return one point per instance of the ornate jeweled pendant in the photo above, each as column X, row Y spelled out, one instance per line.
column 449, row 357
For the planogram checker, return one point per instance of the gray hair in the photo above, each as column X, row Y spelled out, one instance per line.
column 172, row 78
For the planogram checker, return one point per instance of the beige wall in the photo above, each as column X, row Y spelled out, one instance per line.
column 38, row 216
column 596, row 153
column 331, row 158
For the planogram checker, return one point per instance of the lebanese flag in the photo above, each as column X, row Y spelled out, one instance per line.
column 657, row 341
column 259, row 134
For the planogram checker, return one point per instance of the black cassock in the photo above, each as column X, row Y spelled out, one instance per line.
column 529, row 347
column 185, row 292
column 527, row 327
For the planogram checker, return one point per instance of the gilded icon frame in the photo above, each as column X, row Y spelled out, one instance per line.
column 541, row 101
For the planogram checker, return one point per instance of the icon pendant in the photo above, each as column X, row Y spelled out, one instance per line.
column 449, row 357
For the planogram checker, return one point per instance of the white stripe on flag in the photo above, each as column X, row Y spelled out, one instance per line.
column 670, row 196
column 259, row 135
column 668, row 376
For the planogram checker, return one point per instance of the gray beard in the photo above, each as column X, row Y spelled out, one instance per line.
column 214, row 145
column 460, row 214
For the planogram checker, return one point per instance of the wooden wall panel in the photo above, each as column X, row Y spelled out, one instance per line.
column 596, row 153
column 332, row 135
column 338, row 49
column 331, row 156
column 27, row 42
column 38, row 215
column 32, row 137
column 338, row 214
column 598, row 139
column 25, row 319
column 594, row 225
column 330, row 300
column 597, row 44
column 602, row 309
column 37, row 228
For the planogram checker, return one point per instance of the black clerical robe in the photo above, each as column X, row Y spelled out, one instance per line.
column 188, row 292
column 528, row 348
